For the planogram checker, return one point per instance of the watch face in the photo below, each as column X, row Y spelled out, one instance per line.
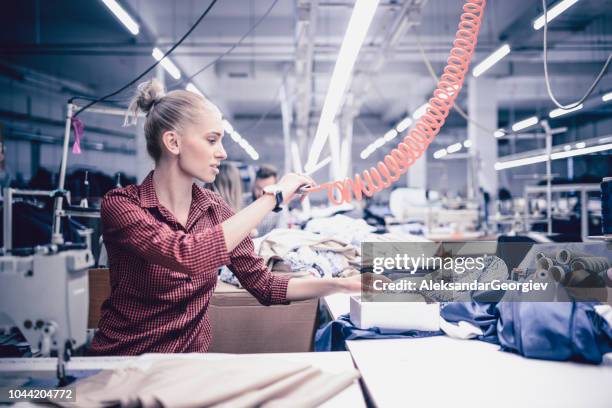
column 271, row 189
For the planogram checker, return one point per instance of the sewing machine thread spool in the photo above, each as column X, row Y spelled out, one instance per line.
column 606, row 206
column 565, row 256
column 545, row 263
column 607, row 277
column 593, row 264
column 558, row 272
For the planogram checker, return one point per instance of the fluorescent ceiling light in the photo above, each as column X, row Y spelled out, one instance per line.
column 123, row 16
column 491, row 60
column 390, row 135
column 560, row 112
column 227, row 126
column 378, row 143
column 520, row 162
column 166, row 63
column 236, row 137
column 365, row 153
column 553, row 12
column 580, row 145
column 607, row 97
column 192, row 88
column 467, row 143
column 554, row 156
column 420, row 111
column 454, row 148
column 404, row 124
column 524, row 124
column 579, row 152
column 358, row 25
column 438, row 154
column 567, row 148
column 499, row 133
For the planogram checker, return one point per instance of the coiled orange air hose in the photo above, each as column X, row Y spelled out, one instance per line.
column 427, row 127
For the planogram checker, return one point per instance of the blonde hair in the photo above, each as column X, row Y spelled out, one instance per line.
column 228, row 184
column 165, row 112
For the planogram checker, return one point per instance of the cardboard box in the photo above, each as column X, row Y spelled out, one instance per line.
column 99, row 291
column 240, row 324
column 395, row 315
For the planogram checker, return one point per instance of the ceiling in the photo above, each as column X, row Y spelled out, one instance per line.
column 81, row 41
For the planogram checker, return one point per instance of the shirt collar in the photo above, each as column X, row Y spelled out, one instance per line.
column 148, row 197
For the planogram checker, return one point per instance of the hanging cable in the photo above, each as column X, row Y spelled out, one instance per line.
column 233, row 47
column 139, row 77
column 434, row 76
column 418, row 139
column 547, row 78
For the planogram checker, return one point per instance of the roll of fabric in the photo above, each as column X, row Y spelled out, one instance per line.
column 583, row 279
column 545, row 263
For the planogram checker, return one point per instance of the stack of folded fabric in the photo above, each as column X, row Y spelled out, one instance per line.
column 243, row 381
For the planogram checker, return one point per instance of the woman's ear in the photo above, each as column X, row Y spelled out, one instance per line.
column 170, row 140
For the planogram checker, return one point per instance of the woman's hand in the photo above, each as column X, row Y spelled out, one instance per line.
column 291, row 182
column 362, row 282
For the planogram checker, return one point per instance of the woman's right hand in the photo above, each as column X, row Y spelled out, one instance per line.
column 291, row 182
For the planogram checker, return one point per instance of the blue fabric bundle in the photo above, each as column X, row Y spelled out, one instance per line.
column 333, row 335
column 543, row 330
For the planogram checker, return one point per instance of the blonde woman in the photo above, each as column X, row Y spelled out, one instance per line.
column 166, row 238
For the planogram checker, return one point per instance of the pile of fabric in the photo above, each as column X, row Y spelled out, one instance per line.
column 303, row 253
column 230, row 382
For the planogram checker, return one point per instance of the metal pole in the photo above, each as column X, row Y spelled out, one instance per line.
column 56, row 237
column 584, row 217
column 548, row 131
column 8, row 220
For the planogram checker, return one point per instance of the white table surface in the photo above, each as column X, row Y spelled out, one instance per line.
column 333, row 362
column 442, row 371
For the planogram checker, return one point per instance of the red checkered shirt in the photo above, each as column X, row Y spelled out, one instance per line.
column 163, row 273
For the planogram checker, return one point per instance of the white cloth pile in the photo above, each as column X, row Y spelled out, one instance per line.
column 244, row 381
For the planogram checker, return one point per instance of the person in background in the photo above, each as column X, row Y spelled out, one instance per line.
column 267, row 175
column 228, row 185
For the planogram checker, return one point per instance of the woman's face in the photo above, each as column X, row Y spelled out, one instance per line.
column 201, row 148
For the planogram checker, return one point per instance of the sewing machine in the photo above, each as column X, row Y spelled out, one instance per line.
column 45, row 290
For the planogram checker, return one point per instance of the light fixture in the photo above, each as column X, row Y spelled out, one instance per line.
column 236, row 137
column 166, row 63
column 555, row 113
column 467, row 143
column 491, row 60
column 579, row 152
column 520, row 162
column 390, row 135
column 607, row 97
column 358, row 25
column 420, row 111
column 580, row 145
column 123, row 16
column 229, row 129
column 365, row 153
column 524, row 124
column 403, row 124
column 553, row 12
column 499, row 133
column 454, row 148
column 438, row 154
column 192, row 88
column 378, row 143
column 554, row 156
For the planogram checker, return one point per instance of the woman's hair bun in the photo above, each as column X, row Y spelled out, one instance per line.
column 147, row 94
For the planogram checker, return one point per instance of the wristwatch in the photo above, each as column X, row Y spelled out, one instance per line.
column 275, row 190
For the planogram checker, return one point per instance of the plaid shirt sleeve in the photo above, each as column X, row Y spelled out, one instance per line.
column 129, row 225
column 268, row 288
